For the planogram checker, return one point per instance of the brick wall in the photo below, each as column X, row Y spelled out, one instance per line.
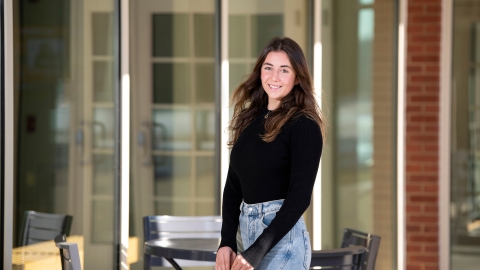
column 422, row 151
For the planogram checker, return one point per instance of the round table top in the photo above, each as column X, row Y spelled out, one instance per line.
column 197, row 249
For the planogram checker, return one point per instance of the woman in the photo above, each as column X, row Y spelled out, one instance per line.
column 277, row 142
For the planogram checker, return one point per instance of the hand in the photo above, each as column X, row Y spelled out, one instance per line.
column 225, row 258
column 241, row 264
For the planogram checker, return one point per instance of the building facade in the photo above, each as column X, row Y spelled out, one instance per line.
column 117, row 109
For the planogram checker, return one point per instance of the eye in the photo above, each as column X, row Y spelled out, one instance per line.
column 284, row 71
column 267, row 68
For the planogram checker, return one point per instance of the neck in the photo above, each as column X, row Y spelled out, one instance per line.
column 272, row 105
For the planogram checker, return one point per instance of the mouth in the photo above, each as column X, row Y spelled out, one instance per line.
column 274, row 87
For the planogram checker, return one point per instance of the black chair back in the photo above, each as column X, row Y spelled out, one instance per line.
column 371, row 242
column 39, row 227
column 349, row 258
column 164, row 227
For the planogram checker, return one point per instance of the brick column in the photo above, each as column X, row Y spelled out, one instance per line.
column 422, row 124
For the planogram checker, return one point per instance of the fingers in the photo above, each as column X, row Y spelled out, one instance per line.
column 241, row 264
column 224, row 261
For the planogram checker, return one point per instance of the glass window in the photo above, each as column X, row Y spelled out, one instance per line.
column 66, row 121
column 358, row 163
column 465, row 137
column 173, row 111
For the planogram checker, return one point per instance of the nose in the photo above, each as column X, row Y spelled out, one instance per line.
column 275, row 77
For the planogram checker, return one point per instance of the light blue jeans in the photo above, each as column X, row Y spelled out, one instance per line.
column 292, row 252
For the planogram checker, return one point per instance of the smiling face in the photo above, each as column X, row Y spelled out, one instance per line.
column 278, row 77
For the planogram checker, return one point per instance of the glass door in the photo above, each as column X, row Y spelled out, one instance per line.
column 173, row 106
column 465, row 138
column 66, row 120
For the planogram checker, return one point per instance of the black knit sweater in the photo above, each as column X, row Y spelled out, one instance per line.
column 259, row 172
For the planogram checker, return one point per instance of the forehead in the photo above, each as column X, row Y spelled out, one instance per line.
column 277, row 58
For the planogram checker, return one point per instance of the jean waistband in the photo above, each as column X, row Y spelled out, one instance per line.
column 261, row 208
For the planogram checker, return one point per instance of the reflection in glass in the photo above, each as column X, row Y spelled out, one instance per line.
column 172, row 175
column 204, row 35
column 205, row 82
column 205, row 208
column 171, row 83
column 171, row 129
column 102, row 221
column 103, row 81
column 170, row 35
column 103, row 174
column 172, row 183
column 237, row 42
column 205, row 129
column 103, row 127
column 238, row 73
column 264, row 28
column 205, row 175
column 102, row 31
column 173, row 209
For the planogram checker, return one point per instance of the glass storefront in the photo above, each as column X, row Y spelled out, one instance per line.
column 465, row 137
column 66, row 119
column 67, row 111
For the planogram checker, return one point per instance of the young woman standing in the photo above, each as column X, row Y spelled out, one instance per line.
column 277, row 142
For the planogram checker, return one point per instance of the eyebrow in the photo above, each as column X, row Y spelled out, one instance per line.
column 287, row 66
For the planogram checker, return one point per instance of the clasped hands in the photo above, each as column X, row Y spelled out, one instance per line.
column 229, row 260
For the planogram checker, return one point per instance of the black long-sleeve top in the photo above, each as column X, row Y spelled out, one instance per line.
column 285, row 168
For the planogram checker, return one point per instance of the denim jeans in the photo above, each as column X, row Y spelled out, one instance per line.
column 294, row 249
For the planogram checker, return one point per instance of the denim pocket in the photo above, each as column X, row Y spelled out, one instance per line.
column 308, row 250
column 267, row 218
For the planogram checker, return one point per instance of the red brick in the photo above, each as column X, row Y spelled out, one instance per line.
column 413, row 128
column 414, row 68
column 423, row 138
column 423, row 219
column 432, row 9
column 423, row 258
column 431, row 168
column 414, row 88
column 433, row 118
column 424, row 38
column 413, row 228
column 413, row 208
column 415, row 9
column 432, row 88
column 426, row 58
column 425, row 78
column 413, row 267
column 425, row 158
column 413, row 188
column 413, row 168
column 413, row 48
column 431, row 208
column 414, row 108
column 424, row 18
column 435, row 69
column 431, row 228
column 431, row 128
column 423, row 178
column 414, row 248
column 422, row 238
column 424, row 198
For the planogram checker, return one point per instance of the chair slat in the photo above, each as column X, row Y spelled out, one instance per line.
column 165, row 227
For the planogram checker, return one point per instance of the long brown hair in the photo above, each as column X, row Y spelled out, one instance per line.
column 249, row 97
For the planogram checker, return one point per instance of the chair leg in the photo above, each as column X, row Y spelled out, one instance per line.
column 146, row 262
column 173, row 263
